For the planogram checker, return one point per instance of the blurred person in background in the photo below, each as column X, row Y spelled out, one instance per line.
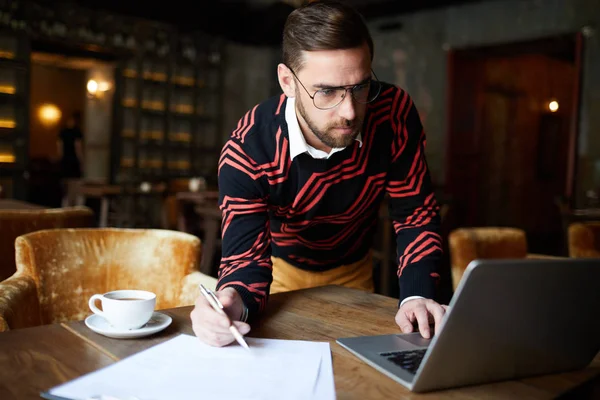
column 70, row 148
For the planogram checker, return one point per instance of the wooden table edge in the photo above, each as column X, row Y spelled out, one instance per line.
column 90, row 342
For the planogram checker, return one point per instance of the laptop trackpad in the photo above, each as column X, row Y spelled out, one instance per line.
column 415, row 338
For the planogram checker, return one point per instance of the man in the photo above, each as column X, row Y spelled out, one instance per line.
column 302, row 177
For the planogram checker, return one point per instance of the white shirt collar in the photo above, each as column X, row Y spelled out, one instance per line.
column 298, row 144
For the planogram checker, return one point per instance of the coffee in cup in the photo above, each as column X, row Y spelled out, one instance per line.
column 125, row 309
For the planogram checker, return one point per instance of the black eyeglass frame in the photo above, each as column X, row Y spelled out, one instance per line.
column 351, row 89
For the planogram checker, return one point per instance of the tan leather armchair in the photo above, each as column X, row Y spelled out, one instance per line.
column 59, row 270
column 584, row 240
column 468, row 244
column 14, row 223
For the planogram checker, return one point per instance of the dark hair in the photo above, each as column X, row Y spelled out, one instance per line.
column 76, row 115
column 322, row 25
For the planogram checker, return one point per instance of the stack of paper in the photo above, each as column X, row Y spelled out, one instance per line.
column 185, row 368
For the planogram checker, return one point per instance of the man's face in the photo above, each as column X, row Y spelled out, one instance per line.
column 338, row 126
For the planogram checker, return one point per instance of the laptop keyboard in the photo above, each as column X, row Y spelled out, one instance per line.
column 408, row 360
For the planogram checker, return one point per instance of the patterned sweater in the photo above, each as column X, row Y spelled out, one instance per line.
column 318, row 214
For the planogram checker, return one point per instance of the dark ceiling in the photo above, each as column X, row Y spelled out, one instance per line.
column 258, row 22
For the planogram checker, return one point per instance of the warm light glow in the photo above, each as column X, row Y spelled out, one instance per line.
column 49, row 114
column 184, row 108
column 129, row 102
column 7, row 123
column 155, row 163
column 97, row 89
column 92, row 87
column 7, row 158
column 155, row 135
column 7, row 54
column 553, row 106
column 179, row 164
column 127, row 162
column 153, row 105
column 130, row 73
column 103, row 86
column 180, row 137
column 183, row 80
column 8, row 89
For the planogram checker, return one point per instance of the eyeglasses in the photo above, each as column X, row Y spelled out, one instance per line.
column 326, row 99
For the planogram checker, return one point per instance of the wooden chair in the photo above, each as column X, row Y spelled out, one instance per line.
column 59, row 270
column 14, row 223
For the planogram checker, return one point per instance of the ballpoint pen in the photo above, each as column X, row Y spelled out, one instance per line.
column 216, row 304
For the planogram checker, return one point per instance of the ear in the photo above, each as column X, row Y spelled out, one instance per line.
column 286, row 80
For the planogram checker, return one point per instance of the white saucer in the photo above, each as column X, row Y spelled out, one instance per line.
column 157, row 323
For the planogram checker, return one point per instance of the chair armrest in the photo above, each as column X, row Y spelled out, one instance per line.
column 19, row 303
column 189, row 289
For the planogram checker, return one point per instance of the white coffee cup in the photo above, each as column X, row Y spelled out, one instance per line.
column 125, row 309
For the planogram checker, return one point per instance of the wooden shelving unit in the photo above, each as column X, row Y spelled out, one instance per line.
column 168, row 111
column 168, row 91
column 14, row 113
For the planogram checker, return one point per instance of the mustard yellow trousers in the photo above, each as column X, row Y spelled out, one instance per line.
column 358, row 275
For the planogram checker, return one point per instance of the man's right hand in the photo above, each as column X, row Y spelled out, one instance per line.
column 212, row 327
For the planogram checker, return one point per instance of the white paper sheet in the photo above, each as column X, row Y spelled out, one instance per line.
column 185, row 368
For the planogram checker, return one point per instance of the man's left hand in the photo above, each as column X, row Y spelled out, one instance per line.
column 423, row 312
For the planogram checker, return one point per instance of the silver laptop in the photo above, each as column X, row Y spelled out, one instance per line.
column 508, row 319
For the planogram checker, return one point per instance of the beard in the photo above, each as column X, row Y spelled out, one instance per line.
column 327, row 135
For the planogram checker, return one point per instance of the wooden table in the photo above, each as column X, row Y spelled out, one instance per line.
column 36, row 359
column 12, row 204
column 98, row 191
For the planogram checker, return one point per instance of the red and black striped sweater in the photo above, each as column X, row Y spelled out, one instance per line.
column 317, row 214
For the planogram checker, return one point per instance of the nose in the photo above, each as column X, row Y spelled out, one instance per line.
column 347, row 109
